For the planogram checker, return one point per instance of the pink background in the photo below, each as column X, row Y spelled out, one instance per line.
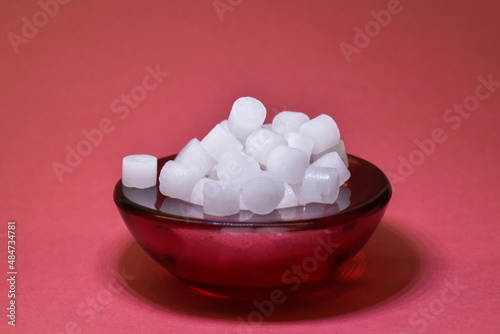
column 441, row 226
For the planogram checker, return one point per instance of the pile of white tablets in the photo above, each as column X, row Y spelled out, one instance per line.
column 244, row 164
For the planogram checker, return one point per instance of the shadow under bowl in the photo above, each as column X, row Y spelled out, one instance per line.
column 245, row 256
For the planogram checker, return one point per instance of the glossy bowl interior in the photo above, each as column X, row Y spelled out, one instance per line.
column 244, row 255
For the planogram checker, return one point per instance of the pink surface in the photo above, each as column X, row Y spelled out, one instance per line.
column 431, row 267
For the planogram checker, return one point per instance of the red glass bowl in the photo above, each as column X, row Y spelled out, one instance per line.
column 246, row 255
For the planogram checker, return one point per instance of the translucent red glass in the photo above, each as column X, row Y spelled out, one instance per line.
column 245, row 255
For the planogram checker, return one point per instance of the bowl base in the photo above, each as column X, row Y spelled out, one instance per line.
column 307, row 290
column 331, row 287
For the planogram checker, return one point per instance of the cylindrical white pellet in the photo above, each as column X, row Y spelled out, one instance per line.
column 220, row 140
column 247, row 115
column 237, row 166
column 139, row 171
column 323, row 131
column 193, row 154
column 339, row 148
column 261, row 142
column 320, row 185
column 288, row 163
column 197, row 193
column 177, row 180
column 263, row 193
column 333, row 160
column 221, row 199
column 300, row 141
column 288, row 121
